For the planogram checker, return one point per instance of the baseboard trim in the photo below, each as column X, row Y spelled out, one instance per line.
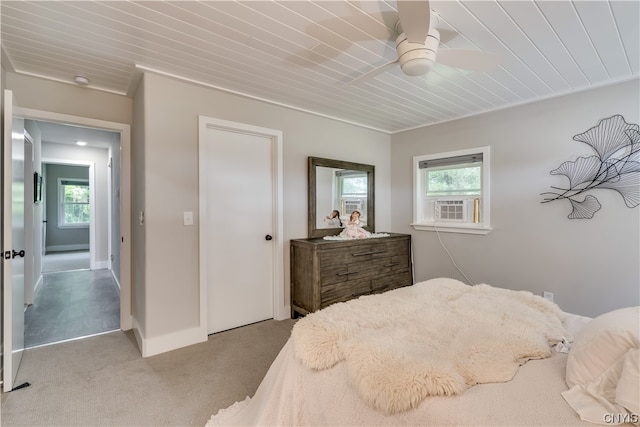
column 172, row 341
column 38, row 282
column 101, row 265
column 285, row 313
column 137, row 334
column 66, row 248
column 115, row 278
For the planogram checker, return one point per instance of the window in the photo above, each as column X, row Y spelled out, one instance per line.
column 73, row 202
column 352, row 190
column 451, row 191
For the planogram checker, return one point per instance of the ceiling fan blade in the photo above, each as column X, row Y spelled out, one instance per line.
column 372, row 73
column 447, row 35
column 414, row 19
column 475, row 60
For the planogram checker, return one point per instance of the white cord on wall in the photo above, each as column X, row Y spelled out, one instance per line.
column 450, row 256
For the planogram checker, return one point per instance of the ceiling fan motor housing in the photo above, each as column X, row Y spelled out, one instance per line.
column 417, row 59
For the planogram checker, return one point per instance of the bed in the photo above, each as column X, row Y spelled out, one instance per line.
column 443, row 353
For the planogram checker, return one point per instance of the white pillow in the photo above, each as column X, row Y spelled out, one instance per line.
column 600, row 366
column 601, row 343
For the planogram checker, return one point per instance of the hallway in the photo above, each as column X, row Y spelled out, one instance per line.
column 72, row 304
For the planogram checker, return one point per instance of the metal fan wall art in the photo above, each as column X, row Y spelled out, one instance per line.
column 615, row 166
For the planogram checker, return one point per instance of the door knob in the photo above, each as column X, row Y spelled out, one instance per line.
column 268, row 237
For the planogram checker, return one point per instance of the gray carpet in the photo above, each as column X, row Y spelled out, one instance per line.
column 103, row 380
column 65, row 261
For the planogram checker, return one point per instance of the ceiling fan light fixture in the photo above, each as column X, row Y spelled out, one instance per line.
column 417, row 59
column 416, row 66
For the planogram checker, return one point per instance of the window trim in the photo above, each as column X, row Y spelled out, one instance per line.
column 61, row 204
column 484, row 226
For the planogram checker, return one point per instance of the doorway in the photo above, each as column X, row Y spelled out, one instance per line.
column 115, row 206
column 77, row 292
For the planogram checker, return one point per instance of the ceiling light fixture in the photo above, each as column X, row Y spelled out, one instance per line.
column 81, row 143
column 81, row 80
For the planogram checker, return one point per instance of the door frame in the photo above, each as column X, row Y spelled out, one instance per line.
column 281, row 308
column 126, row 307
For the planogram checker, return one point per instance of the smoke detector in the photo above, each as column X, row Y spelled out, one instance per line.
column 81, row 80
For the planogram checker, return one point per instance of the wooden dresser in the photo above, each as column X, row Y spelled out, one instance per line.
column 324, row 272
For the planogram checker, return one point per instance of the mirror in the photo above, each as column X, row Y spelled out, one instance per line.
column 336, row 185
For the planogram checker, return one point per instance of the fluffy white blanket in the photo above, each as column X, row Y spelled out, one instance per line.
column 436, row 338
column 370, row 236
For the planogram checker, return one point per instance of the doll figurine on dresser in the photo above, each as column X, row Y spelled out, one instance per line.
column 333, row 220
column 353, row 229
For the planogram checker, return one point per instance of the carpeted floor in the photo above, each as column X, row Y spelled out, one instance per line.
column 65, row 261
column 103, row 380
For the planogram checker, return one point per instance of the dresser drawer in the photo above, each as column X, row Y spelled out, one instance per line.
column 397, row 279
column 343, row 292
column 398, row 262
column 345, row 255
column 349, row 271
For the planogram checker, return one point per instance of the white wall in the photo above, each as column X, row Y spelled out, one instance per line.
column 592, row 266
column 74, row 100
column 170, row 167
column 115, row 198
column 324, row 199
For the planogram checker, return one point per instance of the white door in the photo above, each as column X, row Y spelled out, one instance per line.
column 13, row 243
column 237, row 192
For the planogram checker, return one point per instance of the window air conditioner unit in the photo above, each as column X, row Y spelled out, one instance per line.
column 351, row 205
column 453, row 210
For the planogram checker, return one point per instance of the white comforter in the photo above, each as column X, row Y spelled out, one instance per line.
column 293, row 394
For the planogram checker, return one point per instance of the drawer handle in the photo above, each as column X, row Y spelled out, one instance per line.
column 346, row 273
column 368, row 253
column 391, row 264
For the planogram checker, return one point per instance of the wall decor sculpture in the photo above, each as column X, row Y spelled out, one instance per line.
column 614, row 166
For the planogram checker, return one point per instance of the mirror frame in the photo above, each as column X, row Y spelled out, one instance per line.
column 314, row 162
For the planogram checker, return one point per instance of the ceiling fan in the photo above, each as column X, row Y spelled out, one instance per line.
column 418, row 41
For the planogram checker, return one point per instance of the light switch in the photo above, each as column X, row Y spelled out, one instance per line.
column 188, row 218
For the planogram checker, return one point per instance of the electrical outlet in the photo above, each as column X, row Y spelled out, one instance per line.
column 548, row 296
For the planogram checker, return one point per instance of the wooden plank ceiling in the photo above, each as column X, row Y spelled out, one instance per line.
column 305, row 54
